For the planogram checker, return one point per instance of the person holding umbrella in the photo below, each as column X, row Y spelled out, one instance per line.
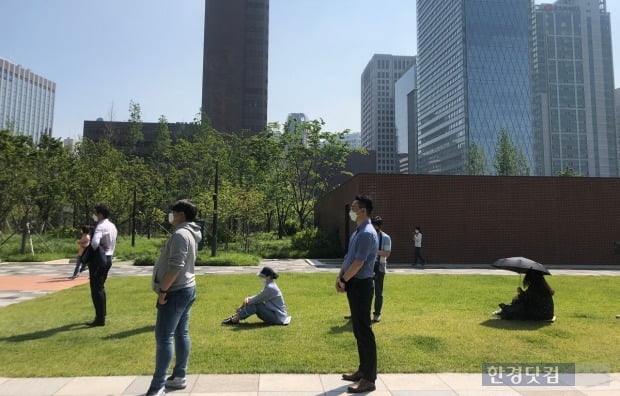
column 533, row 303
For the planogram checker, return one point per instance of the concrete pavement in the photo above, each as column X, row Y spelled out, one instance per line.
column 442, row 384
column 21, row 281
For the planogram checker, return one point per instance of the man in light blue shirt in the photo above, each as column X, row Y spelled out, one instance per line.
column 356, row 279
column 385, row 248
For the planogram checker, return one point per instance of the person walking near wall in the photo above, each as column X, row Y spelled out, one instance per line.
column 417, row 247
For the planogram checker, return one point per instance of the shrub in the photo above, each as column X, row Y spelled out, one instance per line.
column 227, row 259
column 315, row 243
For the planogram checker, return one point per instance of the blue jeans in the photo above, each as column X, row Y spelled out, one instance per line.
column 261, row 311
column 173, row 322
column 78, row 266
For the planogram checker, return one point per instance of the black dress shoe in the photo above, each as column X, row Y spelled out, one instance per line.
column 229, row 321
column 362, row 387
column 356, row 376
column 95, row 323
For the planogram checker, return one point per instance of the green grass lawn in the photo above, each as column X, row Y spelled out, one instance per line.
column 431, row 323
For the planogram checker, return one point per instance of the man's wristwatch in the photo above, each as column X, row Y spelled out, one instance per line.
column 341, row 279
column 163, row 291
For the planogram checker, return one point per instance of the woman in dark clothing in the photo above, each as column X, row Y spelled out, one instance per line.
column 534, row 303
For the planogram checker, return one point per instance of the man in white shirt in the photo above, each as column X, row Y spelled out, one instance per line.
column 385, row 248
column 103, row 243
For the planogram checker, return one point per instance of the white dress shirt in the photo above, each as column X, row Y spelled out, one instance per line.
column 105, row 235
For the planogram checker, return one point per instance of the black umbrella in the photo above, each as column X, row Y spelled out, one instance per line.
column 520, row 265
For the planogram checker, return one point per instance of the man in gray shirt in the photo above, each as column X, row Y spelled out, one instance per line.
column 175, row 285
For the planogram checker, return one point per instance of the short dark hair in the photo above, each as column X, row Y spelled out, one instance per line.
column 103, row 210
column 364, row 202
column 85, row 229
column 186, row 207
column 377, row 221
column 417, row 228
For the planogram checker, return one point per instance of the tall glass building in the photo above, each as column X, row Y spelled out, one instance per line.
column 26, row 101
column 474, row 80
column 377, row 110
column 406, row 120
column 575, row 122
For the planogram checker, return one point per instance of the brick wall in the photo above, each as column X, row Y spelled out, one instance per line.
column 478, row 219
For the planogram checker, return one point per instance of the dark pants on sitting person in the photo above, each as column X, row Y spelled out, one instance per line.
column 379, row 276
column 98, row 276
column 359, row 294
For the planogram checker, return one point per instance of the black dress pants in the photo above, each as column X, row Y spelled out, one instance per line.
column 98, row 276
column 379, row 276
column 359, row 294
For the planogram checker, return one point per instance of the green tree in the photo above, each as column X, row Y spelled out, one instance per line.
column 52, row 180
column 311, row 158
column 17, row 178
column 161, row 141
column 509, row 160
column 567, row 171
column 477, row 161
column 97, row 174
column 134, row 132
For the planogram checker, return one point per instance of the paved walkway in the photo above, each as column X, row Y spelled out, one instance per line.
column 22, row 281
column 444, row 384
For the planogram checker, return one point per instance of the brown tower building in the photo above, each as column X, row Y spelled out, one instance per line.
column 234, row 79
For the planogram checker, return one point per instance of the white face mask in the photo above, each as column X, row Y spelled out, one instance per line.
column 95, row 218
column 352, row 215
column 170, row 217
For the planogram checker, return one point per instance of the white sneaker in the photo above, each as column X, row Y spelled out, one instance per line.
column 376, row 318
column 176, row 382
column 156, row 392
column 496, row 313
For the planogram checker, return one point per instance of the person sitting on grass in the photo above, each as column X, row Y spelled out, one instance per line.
column 268, row 305
column 534, row 303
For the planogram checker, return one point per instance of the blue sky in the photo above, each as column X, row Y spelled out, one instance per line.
column 102, row 54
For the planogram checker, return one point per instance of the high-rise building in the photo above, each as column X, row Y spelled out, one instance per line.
column 234, row 80
column 474, row 80
column 378, row 129
column 295, row 119
column 575, row 124
column 26, row 101
column 406, row 120
column 353, row 139
column 617, row 106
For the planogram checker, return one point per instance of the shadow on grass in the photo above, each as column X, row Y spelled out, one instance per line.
column 515, row 324
column 346, row 327
column 42, row 333
column 130, row 333
column 252, row 326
